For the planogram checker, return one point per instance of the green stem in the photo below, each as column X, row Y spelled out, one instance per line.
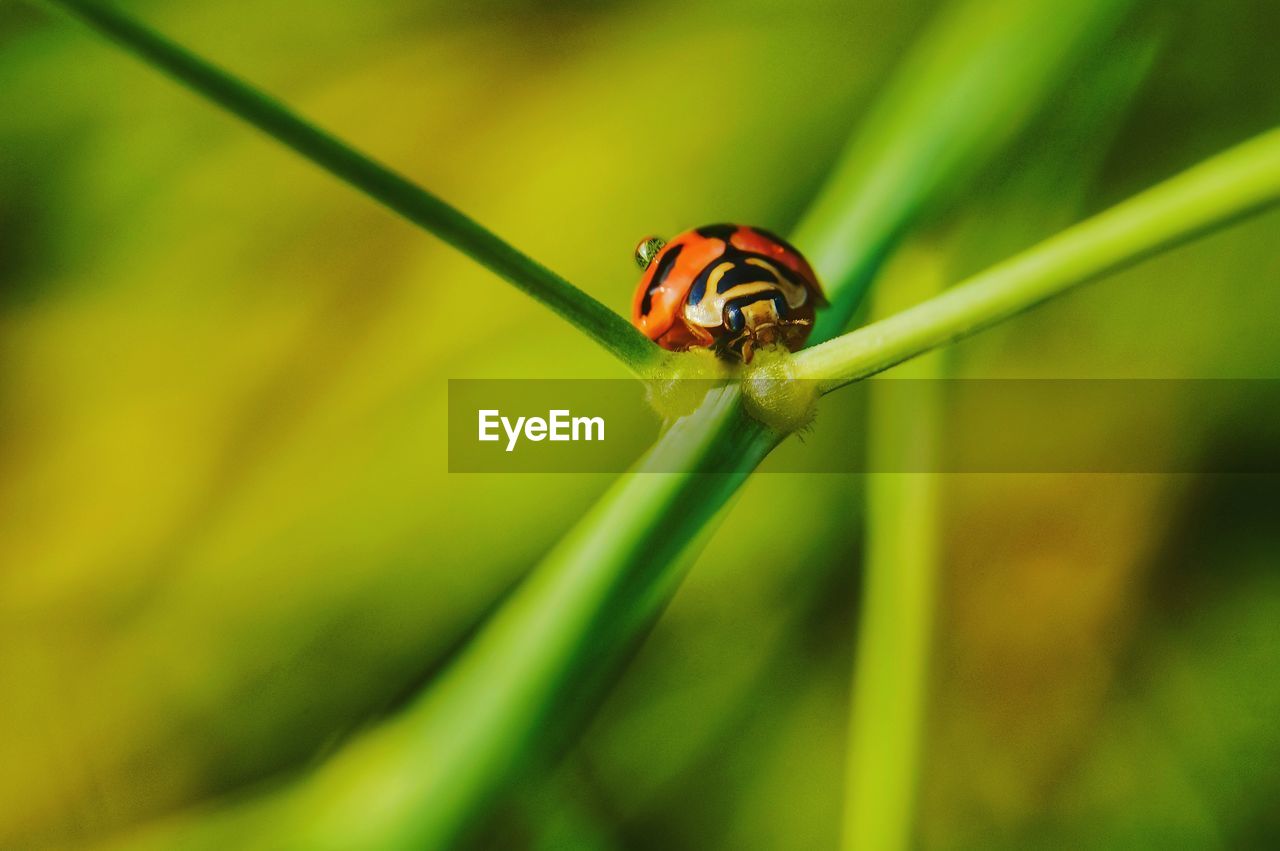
column 377, row 181
column 895, row 624
column 1223, row 189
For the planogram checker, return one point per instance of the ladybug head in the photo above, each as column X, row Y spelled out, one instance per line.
column 647, row 250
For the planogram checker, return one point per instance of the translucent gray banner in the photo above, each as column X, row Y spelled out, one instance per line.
column 960, row 426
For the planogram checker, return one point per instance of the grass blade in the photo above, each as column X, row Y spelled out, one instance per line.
column 1218, row 191
column 419, row 206
column 964, row 91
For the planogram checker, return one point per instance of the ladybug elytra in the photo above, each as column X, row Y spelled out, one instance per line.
column 730, row 288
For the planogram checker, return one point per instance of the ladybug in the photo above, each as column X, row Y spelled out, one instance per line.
column 729, row 288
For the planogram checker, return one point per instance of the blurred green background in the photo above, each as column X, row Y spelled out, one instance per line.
column 228, row 539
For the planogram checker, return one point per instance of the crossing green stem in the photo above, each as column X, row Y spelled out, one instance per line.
column 1220, row 190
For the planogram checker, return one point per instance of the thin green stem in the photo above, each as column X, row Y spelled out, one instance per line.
column 377, row 181
column 1223, row 189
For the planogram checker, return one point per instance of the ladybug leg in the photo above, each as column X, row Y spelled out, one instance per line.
column 686, row 335
column 794, row 332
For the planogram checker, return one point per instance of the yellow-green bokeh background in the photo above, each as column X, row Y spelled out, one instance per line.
column 227, row 535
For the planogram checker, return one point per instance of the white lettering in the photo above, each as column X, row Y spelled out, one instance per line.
column 513, row 434
column 487, row 422
column 587, row 423
column 559, row 426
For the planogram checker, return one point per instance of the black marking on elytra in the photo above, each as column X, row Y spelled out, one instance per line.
column 665, row 264
column 742, row 273
column 699, row 288
column 721, row 232
column 786, row 272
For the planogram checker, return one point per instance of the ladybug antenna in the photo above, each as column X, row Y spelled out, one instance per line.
column 647, row 250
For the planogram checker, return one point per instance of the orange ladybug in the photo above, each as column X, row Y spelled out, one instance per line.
column 730, row 288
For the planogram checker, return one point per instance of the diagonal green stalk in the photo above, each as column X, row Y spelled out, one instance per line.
column 391, row 189
column 1220, row 190
column 965, row 90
